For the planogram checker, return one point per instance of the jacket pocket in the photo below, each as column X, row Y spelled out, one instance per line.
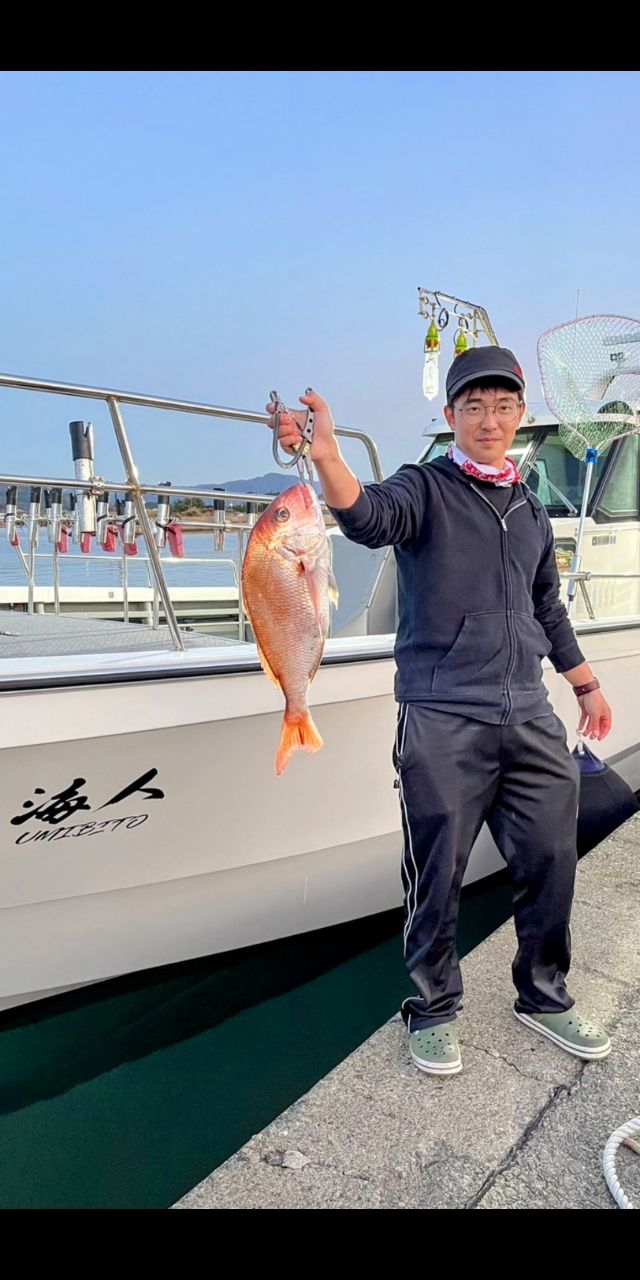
column 532, row 645
column 478, row 657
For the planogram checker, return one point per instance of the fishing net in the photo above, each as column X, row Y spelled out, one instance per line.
column 590, row 371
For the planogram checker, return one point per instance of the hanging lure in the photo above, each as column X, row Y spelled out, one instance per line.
column 430, row 379
column 461, row 342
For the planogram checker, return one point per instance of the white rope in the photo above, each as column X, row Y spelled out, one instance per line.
column 629, row 1134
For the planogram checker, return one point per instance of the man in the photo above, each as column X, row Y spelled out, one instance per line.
column 477, row 740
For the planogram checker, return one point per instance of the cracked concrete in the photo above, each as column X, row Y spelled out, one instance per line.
column 523, row 1125
column 511, row 1156
column 560, row 1164
column 493, row 1053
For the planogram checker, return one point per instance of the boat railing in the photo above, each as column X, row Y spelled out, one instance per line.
column 105, row 565
column 585, row 576
column 138, row 492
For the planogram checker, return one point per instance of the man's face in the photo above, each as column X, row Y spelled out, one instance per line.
column 484, row 421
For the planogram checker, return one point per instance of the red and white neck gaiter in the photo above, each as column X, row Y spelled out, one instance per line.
column 482, row 471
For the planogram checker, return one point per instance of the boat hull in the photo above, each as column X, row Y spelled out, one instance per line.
column 142, row 823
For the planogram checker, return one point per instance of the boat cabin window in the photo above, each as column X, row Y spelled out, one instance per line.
column 620, row 494
column 517, row 452
column 557, row 476
column 437, row 449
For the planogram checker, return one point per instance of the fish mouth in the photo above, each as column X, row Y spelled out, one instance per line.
column 307, row 496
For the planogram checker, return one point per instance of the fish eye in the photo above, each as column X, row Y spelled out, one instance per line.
column 282, row 514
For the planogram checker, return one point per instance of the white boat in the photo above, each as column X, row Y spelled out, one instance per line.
column 141, row 820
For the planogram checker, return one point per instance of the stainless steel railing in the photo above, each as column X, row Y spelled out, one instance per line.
column 133, row 486
column 584, row 576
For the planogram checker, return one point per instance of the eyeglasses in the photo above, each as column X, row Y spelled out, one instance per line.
column 506, row 411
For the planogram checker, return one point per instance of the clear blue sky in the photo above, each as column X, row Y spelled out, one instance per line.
column 210, row 235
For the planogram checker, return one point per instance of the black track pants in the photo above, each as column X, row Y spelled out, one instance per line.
column 454, row 774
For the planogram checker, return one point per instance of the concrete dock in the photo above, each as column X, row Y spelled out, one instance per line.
column 523, row 1126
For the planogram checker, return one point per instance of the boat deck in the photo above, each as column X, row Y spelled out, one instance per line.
column 46, row 635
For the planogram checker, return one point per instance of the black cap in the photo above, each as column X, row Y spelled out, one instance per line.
column 483, row 362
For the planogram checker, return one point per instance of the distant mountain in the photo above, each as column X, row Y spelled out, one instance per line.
column 272, row 482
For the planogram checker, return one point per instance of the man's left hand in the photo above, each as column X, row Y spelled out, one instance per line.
column 595, row 715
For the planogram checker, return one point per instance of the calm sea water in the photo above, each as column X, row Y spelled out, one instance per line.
column 126, row 1094
column 103, row 570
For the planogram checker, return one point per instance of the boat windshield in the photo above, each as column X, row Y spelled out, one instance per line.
column 557, row 476
column 550, row 470
column 519, row 452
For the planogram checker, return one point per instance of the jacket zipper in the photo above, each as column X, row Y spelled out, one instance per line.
column 509, row 597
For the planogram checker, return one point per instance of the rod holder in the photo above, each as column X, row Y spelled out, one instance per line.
column 33, row 518
column 55, row 515
column 102, row 517
column 162, row 520
column 75, row 517
column 127, row 524
column 82, row 449
column 219, row 506
column 10, row 512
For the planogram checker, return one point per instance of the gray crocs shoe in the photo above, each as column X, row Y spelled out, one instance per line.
column 435, row 1050
column 571, row 1032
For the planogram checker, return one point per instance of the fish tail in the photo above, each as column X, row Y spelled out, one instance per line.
column 297, row 731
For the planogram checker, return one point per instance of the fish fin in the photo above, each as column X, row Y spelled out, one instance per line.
column 267, row 668
column 297, row 731
column 334, row 594
column 317, row 663
column 308, row 567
